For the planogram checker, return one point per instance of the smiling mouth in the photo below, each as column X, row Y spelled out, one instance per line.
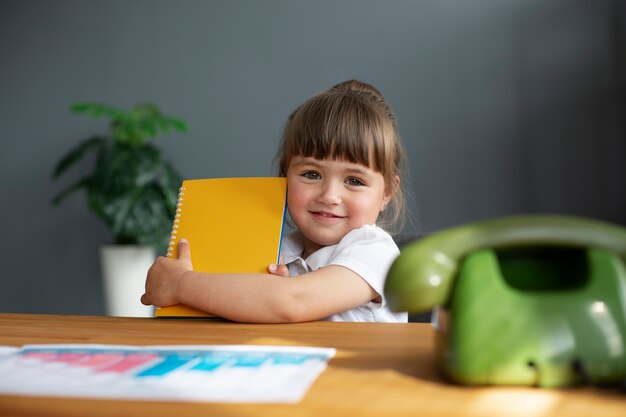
column 324, row 215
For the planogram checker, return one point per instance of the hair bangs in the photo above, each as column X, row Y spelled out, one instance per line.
column 337, row 126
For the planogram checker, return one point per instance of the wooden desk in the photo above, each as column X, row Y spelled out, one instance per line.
column 380, row 370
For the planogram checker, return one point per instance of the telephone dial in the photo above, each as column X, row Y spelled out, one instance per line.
column 524, row 300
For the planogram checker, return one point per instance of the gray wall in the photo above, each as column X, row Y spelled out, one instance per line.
column 505, row 107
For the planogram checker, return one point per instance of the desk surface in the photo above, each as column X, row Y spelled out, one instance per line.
column 379, row 370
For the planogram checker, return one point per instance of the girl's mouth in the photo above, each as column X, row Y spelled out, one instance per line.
column 325, row 216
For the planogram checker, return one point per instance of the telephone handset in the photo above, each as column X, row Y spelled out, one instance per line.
column 422, row 276
column 527, row 300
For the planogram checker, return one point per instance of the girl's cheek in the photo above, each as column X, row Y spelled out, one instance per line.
column 295, row 201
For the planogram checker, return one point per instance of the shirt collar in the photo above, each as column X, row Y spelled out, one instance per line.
column 293, row 248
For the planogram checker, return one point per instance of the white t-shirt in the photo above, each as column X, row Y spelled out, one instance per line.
column 368, row 251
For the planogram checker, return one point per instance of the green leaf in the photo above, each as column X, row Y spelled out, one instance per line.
column 178, row 124
column 97, row 110
column 116, row 169
column 148, row 166
column 139, row 215
column 117, row 211
column 148, row 128
column 84, row 182
column 76, row 154
column 163, row 124
column 144, row 111
column 122, row 132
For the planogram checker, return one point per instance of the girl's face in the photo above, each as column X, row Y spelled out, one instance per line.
column 329, row 198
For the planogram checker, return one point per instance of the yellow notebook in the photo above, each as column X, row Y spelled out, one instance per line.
column 232, row 225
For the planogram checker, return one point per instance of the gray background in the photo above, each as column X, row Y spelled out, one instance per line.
column 505, row 107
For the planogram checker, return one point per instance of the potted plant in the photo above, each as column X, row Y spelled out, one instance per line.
column 132, row 189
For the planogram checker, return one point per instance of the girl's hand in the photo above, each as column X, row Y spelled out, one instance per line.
column 164, row 276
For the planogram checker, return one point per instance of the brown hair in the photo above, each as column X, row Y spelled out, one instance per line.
column 350, row 121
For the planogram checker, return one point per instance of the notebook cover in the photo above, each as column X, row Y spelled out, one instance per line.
column 232, row 225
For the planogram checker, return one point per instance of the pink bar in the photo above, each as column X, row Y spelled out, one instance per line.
column 129, row 362
column 102, row 359
column 70, row 357
column 43, row 356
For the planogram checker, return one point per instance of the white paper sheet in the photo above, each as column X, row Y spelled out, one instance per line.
column 212, row 373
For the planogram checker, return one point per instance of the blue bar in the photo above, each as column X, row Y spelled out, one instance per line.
column 251, row 360
column 290, row 359
column 210, row 363
column 169, row 364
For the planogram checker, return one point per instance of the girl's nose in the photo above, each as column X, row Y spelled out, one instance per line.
column 330, row 192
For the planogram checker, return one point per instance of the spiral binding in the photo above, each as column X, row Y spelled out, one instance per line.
column 179, row 209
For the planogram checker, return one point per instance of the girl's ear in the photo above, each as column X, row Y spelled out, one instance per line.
column 390, row 191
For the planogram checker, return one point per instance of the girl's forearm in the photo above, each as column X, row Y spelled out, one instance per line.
column 266, row 298
column 261, row 298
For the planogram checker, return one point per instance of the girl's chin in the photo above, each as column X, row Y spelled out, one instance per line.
column 322, row 241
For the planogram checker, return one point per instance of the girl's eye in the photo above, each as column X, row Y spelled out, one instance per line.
column 311, row 175
column 354, row 182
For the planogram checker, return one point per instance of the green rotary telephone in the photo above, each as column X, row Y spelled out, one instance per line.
column 525, row 300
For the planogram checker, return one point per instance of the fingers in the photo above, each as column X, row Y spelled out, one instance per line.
column 184, row 251
column 163, row 277
column 144, row 300
column 280, row 270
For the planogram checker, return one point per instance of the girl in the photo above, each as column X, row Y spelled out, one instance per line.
column 342, row 157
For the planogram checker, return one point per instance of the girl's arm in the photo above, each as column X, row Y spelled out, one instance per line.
column 258, row 298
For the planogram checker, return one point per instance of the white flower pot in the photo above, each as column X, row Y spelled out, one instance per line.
column 124, row 270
